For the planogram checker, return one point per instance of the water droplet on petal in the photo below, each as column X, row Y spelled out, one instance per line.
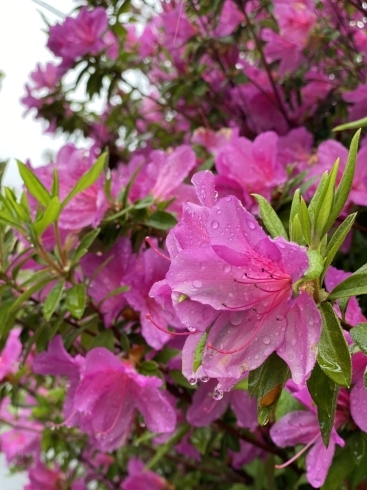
column 197, row 284
column 217, row 394
column 235, row 317
column 193, row 381
column 215, row 224
column 191, row 329
column 204, row 379
column 251, row 224
column 227, row 268
column 266, row 340
column 219, row 211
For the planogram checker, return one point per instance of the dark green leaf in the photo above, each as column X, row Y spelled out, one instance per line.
column 85, row 243
column 161, row 220
column 334, row 357
column 270, row 218
column 359, row 335
column 75, row 300
column 104, row 339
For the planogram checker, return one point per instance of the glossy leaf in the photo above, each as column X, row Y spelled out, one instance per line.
column 351, row 286
column 270, row 218
column 359, row 336
column 76, row 300
column 52, row 300
column 161, row 220
column 334, row 357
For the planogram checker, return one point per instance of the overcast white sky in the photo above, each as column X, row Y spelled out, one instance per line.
column 22, row 46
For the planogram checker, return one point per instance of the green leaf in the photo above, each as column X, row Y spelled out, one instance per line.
column 266, row 383
column 337, row 240
column 326, row 205
column 17, row 208
column 87, row 179
column 359, row 336
column 324, row 393
column 85, row 243
column 55, row 184
column 115, row 292
column 345, row 185
column 34, row 186
column 161, row 220
column 286, row 404
column 316, row 201
column 76, row 300
column 27, row 294
column 294, row 207
column 164, row 448
column 198, row 353
column 270, row 218
column 180, row 379
column 296, row 231
column 104, row 339
column 305, row 221
column 334, row 357
column 351, row 286
column 360, row 123
column 50, row 215
column 126, row 192
column 52, row 300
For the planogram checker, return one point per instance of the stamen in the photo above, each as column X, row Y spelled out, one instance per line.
column 296, row 456
column 148, row 316
column 149, row 241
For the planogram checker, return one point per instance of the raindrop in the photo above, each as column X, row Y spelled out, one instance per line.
column 204, row 379
column 215, row 224
column 227, row 268
column 217, row 394
column 193, row 381
column 197, row 284
column 266, row 340
column 236, row 317
column 251, row 224
column 219, row 211
column 191, row 329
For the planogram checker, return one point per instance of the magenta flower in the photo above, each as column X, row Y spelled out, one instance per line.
column 302, row 427
column 230, row 279
column 108, row 395
column 117, row 268
column 295, row 148
column 141, row 479
column 9, row 356
column 42, row 477
column 57, row 362
column 229, row 19
column 358, row 393
column 204, row 409
column 79, row 36
column 46, row 77
column 295, row 20
column 279, row 49
column 358, row 100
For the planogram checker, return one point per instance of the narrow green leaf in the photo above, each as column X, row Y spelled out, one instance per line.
column 85, row 243
column 27, row 294
column 351, row 286
column 161, row 220
column 305, row 221
column 33, row 184
column 296, row 231
column 318, row 196
column 345, row 185
column 270, row 218
column 164, row 448
column 104, row 339
column 359, row 336
column 324, row 210
column 295, row 206
column 198, row 353
column 126, row 192
column 50, row 216
column 360, row 123
column 337, row 240
column 316, row 265
column 334, row 357
column 86, row 180
column 55, row 191
column 52, row 300
column 18, row 209
column 115, row 292
column 76, row 300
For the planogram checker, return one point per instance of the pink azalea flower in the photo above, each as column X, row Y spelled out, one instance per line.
column 230, row 279
column 46, row 77
column 295, row 20
column 247, row 453
column 302, row 427
column 214, row 141
column 278, row 48
column 86, row 208
column 253, row 165
column 295, row 148
column 141, row 479
column 57, row 362
column 358, row 100
column 177, row 28
column 228, row 20
column 358, row 393
column 42, row 477
column 118, row 271
column 9, row 356
column 79, row 36
column 204, row 409
column 108, row 395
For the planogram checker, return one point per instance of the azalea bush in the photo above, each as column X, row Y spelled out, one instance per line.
column 182, row 298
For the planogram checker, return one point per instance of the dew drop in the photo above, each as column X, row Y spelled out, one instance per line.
column 227, row 268
column 236, row 317
column 191, row 329
column 219, row 211
column 217, row 394
column 266, row 340
column 256, row 356
column 193, row 381
column 204, row 379
column 215, row 224
column 251, row 224
column 197, row 284
column 280, row 245
column 228, row 198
